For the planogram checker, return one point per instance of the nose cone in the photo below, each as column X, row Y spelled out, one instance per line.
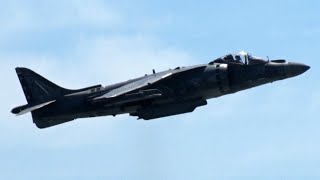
column 294, row 69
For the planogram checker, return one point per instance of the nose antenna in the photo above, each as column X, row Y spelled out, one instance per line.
column 268, row 58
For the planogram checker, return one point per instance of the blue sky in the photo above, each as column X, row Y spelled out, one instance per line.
column 269, row 132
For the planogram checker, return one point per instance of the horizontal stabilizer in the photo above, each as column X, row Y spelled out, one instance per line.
column 26, row 108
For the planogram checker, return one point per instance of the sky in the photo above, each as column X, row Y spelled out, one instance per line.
column 268, row 132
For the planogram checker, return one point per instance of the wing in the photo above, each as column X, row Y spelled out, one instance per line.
column 132, row 97
column 148, row 80
column 138, row 90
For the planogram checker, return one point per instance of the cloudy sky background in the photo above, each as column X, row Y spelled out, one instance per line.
column 266, row 132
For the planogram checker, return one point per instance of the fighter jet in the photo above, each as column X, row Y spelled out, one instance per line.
column 171, row 92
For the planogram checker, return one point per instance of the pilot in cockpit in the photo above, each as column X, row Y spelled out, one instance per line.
column 238, row 59
column 228, row 58
column 233, row 59
column 241, row 58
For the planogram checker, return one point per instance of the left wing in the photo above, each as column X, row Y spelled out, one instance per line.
column 140, row 89
column 148, row 80
column 132, row 97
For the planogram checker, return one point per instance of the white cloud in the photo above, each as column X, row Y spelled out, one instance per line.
column 37, row 16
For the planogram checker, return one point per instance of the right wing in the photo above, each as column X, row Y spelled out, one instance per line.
column 169, row 109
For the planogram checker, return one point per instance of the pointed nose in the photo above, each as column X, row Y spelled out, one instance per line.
column 294, row 69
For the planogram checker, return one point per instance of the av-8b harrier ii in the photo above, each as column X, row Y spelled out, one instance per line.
column 166, row 93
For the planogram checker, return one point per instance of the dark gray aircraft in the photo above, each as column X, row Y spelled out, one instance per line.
column 157, row 95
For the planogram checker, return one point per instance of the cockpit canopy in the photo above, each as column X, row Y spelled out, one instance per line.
column 241, row 58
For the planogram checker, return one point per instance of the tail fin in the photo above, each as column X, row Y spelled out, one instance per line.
column 41, row 92
column 37, row 89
